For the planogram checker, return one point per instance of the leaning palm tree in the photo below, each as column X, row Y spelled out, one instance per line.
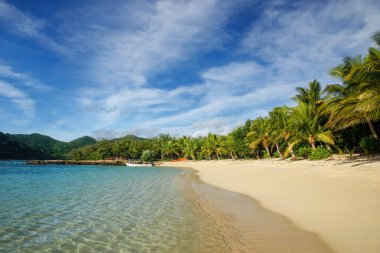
column 278, row 118
column 231, row 146
column 281, row 131
column 171, row 148
column 308, row 124
column 259, row 132
column 357, row 100
column 220, row 149
column 189, row 147
column 206, row 149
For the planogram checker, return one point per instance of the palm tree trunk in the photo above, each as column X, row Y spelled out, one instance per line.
column 257, row 155
column 267, row 149
column 217, row 155
column 312, row 145
column 373, row 131
column 279, row 151
column 294, row 157
column 232, row 155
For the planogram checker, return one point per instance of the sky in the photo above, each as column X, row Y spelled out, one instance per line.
column 110, row 68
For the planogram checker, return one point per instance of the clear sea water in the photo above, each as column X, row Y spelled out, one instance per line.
column 101, row 209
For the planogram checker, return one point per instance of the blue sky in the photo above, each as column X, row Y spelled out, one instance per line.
column 110, row 68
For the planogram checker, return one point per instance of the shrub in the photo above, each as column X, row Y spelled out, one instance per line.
column 147, row 156
column 319, row 153
column 266, row 155
column 369, row 145
column 304, row 151
column 276, row 155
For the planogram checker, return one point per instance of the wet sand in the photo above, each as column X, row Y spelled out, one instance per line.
column 249, row 227
column 301, row 206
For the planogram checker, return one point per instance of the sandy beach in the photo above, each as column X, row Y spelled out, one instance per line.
column 339, row 200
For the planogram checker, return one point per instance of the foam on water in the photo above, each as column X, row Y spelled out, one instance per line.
column 101, row 209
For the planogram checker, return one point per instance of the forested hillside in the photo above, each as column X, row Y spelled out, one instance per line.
column 38, row 146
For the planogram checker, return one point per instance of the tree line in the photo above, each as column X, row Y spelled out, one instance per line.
column 342, row 118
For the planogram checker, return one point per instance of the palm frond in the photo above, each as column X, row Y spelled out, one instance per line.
column 325, row 137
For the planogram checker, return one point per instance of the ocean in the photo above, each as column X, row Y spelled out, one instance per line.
column 57, row 208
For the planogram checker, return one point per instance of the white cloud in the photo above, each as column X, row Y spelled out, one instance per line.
column 21, row 100
column 25, row 25
column 302, row 43
column 234, row 74
column 7, row 71
column 149, row 38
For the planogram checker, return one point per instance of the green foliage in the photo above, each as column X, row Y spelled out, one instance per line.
column 147, row 156
column 11, row 148
column 37, row 146
column 304, row 151
column 357, row 99
column 80, row 142
column 319, row 153
column 370, row 145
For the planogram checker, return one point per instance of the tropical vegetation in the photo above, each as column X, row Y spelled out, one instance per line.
column 38, row 146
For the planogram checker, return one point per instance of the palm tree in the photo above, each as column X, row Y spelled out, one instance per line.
column 206, row 148
column 189, row 147
column 311, row 95
column 220, row 149
column 260, row 133
column 231, row 145
column 357, row 100
column 159, row 144
column 171, row 148
column 279, row 127
column 308, row 124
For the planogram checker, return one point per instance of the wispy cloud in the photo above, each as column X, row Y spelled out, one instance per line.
column 285, row 48
column 119, row 53
column 221, row 104
column 20, row 99
column 16, row 87
column 25, row 25
column 150, row 37
column 302, row 43
column 7, row 72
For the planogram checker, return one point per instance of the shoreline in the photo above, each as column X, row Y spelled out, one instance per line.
column 79, row 162
column 338, row 200
column 247, row 226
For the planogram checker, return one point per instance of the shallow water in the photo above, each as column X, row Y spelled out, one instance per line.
column 101, row 209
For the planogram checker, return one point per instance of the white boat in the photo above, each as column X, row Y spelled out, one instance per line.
column 139, row 164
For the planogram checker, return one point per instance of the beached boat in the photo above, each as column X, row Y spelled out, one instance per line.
column 139, row 164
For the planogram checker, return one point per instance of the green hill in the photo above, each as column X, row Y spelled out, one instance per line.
column 129, row 137
column 11, row 148
column 38, row 146
column 81, row 142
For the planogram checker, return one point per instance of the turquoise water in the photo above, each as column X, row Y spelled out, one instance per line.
column 100, row 209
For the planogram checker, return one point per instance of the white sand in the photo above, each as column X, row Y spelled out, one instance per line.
column 338, row 200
